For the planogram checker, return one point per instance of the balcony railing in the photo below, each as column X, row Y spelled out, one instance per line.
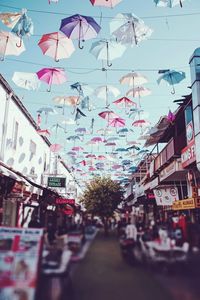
column 171, row 150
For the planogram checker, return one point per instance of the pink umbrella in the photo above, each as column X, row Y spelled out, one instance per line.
column 90, row 156
column 52, row 76
column 140, row 123
column 101, row 157
column 43, row 132
column 116, row 167
column 106, row 3
column 139, row 92
column 108, row 115
column 56, row 45
column 117, row 122
column 124, row 102
column 92, row 169
column 55, row 147
column 77, row 148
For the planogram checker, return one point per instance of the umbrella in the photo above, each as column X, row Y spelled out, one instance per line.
column 107, row 50
column 117, row 122
column 69, row 122
column 28, row 81
column 56, row 45
column 104, row 91
column 55, row 147
column 73, row 138
column 111, row 139
column 133, row 147
column 8, row 44
column 105, row 131
column 140, row 123
column 81, row 130
column 77, row 148
column 43, row 132
column 47, row 110
column 124, row 102
column 52, row 76
column 172, row 77
column 23, row 27
column 82, row 88
column 121, row 150
column 169, row 3
column 106, row 3
column 80, row 27
column 129, row 29
column 133, row 79
column 79, row 114
column 139, row 92
column 66, row 100
column 56, row 127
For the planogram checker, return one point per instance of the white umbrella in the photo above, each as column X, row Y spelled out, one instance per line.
column 133, row 79
column 104, row 91
column 9, row 44
column 28, row 81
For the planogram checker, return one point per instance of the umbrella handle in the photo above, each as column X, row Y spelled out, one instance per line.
column 57, row 60
column 109, row 64
column 181, row 4
column 79, row 38
column 20, row 43
column 173, row 91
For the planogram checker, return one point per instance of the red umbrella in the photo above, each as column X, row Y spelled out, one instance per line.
column 52, row 76
column 140, row 123
column 108, row 115
column 117, row 122
column 44, row 132
column 124, row 102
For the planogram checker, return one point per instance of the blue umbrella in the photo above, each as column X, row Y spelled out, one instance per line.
column 133, row 147
column 82, row 88
column 24, row 26
column 121, row 150
column 107, row 50
column 126, row 162
column 80, row 28
column 172, row 77
column 168, row 3
column 79, row 114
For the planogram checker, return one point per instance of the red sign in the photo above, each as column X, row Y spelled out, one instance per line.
column 68, row 211
column 65, row 201
column 150, row 196
column 188, row 154
column 189, row 132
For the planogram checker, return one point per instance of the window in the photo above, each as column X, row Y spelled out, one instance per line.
column 32, row 147
column 15, row 135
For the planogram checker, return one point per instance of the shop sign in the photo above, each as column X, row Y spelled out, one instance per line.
column 56, row 182
column 175, row 166
column 188, row 154
column 150, row 196
column 153, row 183
column 20, row 253
column 197, row 202
column 65, row 201
column 166, row 195
column 188, row 203
column 189, row 132
column 68, row 211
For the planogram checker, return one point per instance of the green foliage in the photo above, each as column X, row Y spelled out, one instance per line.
column 102, row 196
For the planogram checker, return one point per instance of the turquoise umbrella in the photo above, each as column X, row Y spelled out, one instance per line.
column 172, row 77
column 168, row 3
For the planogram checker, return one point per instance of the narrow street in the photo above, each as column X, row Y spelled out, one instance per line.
column 104, row 275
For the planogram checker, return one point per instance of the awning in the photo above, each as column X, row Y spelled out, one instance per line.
column 8, row 173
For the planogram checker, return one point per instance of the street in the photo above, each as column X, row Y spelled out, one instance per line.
column 103, row 274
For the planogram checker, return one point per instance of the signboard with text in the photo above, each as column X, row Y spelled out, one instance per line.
column 20, row 250
column 188, row 154
column 65, row 201
column 56, row 182
column 166, row 195
column 188, row 203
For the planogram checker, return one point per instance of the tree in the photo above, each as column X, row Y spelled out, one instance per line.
column 101, row 197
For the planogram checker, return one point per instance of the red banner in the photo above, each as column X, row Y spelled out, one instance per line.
column 65, row 201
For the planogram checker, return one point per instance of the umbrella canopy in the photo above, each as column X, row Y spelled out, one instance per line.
column 8, row 44
column 133, row 79
column 117, row 122
column 47, row 110
column 168, row 3
column 82, row 88
column 56, row 45
column 172, row 77
column 66, row 100
column 52, row 76
column 124, row 102
column 81, row 130
column 140, row 123
column 69, row 122
column 129, row 29
column 80, row 27
column 108, row 115
column 107, row 50
column 106, row 3
column 28, row 81
column 55, row 147
column 139, row 92
column 104, row 91
column 43, row 132
column 97, row 139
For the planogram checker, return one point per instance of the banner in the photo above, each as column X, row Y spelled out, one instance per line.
column 19, row 259
column 166, row 195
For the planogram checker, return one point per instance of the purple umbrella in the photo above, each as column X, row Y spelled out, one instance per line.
column 80, row 28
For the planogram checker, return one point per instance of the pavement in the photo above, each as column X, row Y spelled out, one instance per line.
column 104, row 275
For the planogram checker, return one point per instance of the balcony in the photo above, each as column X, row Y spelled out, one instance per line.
column 171, row 150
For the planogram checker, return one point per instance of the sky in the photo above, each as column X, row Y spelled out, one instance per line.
column 175, row 36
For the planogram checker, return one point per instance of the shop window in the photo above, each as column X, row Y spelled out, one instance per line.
column 15, row 135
